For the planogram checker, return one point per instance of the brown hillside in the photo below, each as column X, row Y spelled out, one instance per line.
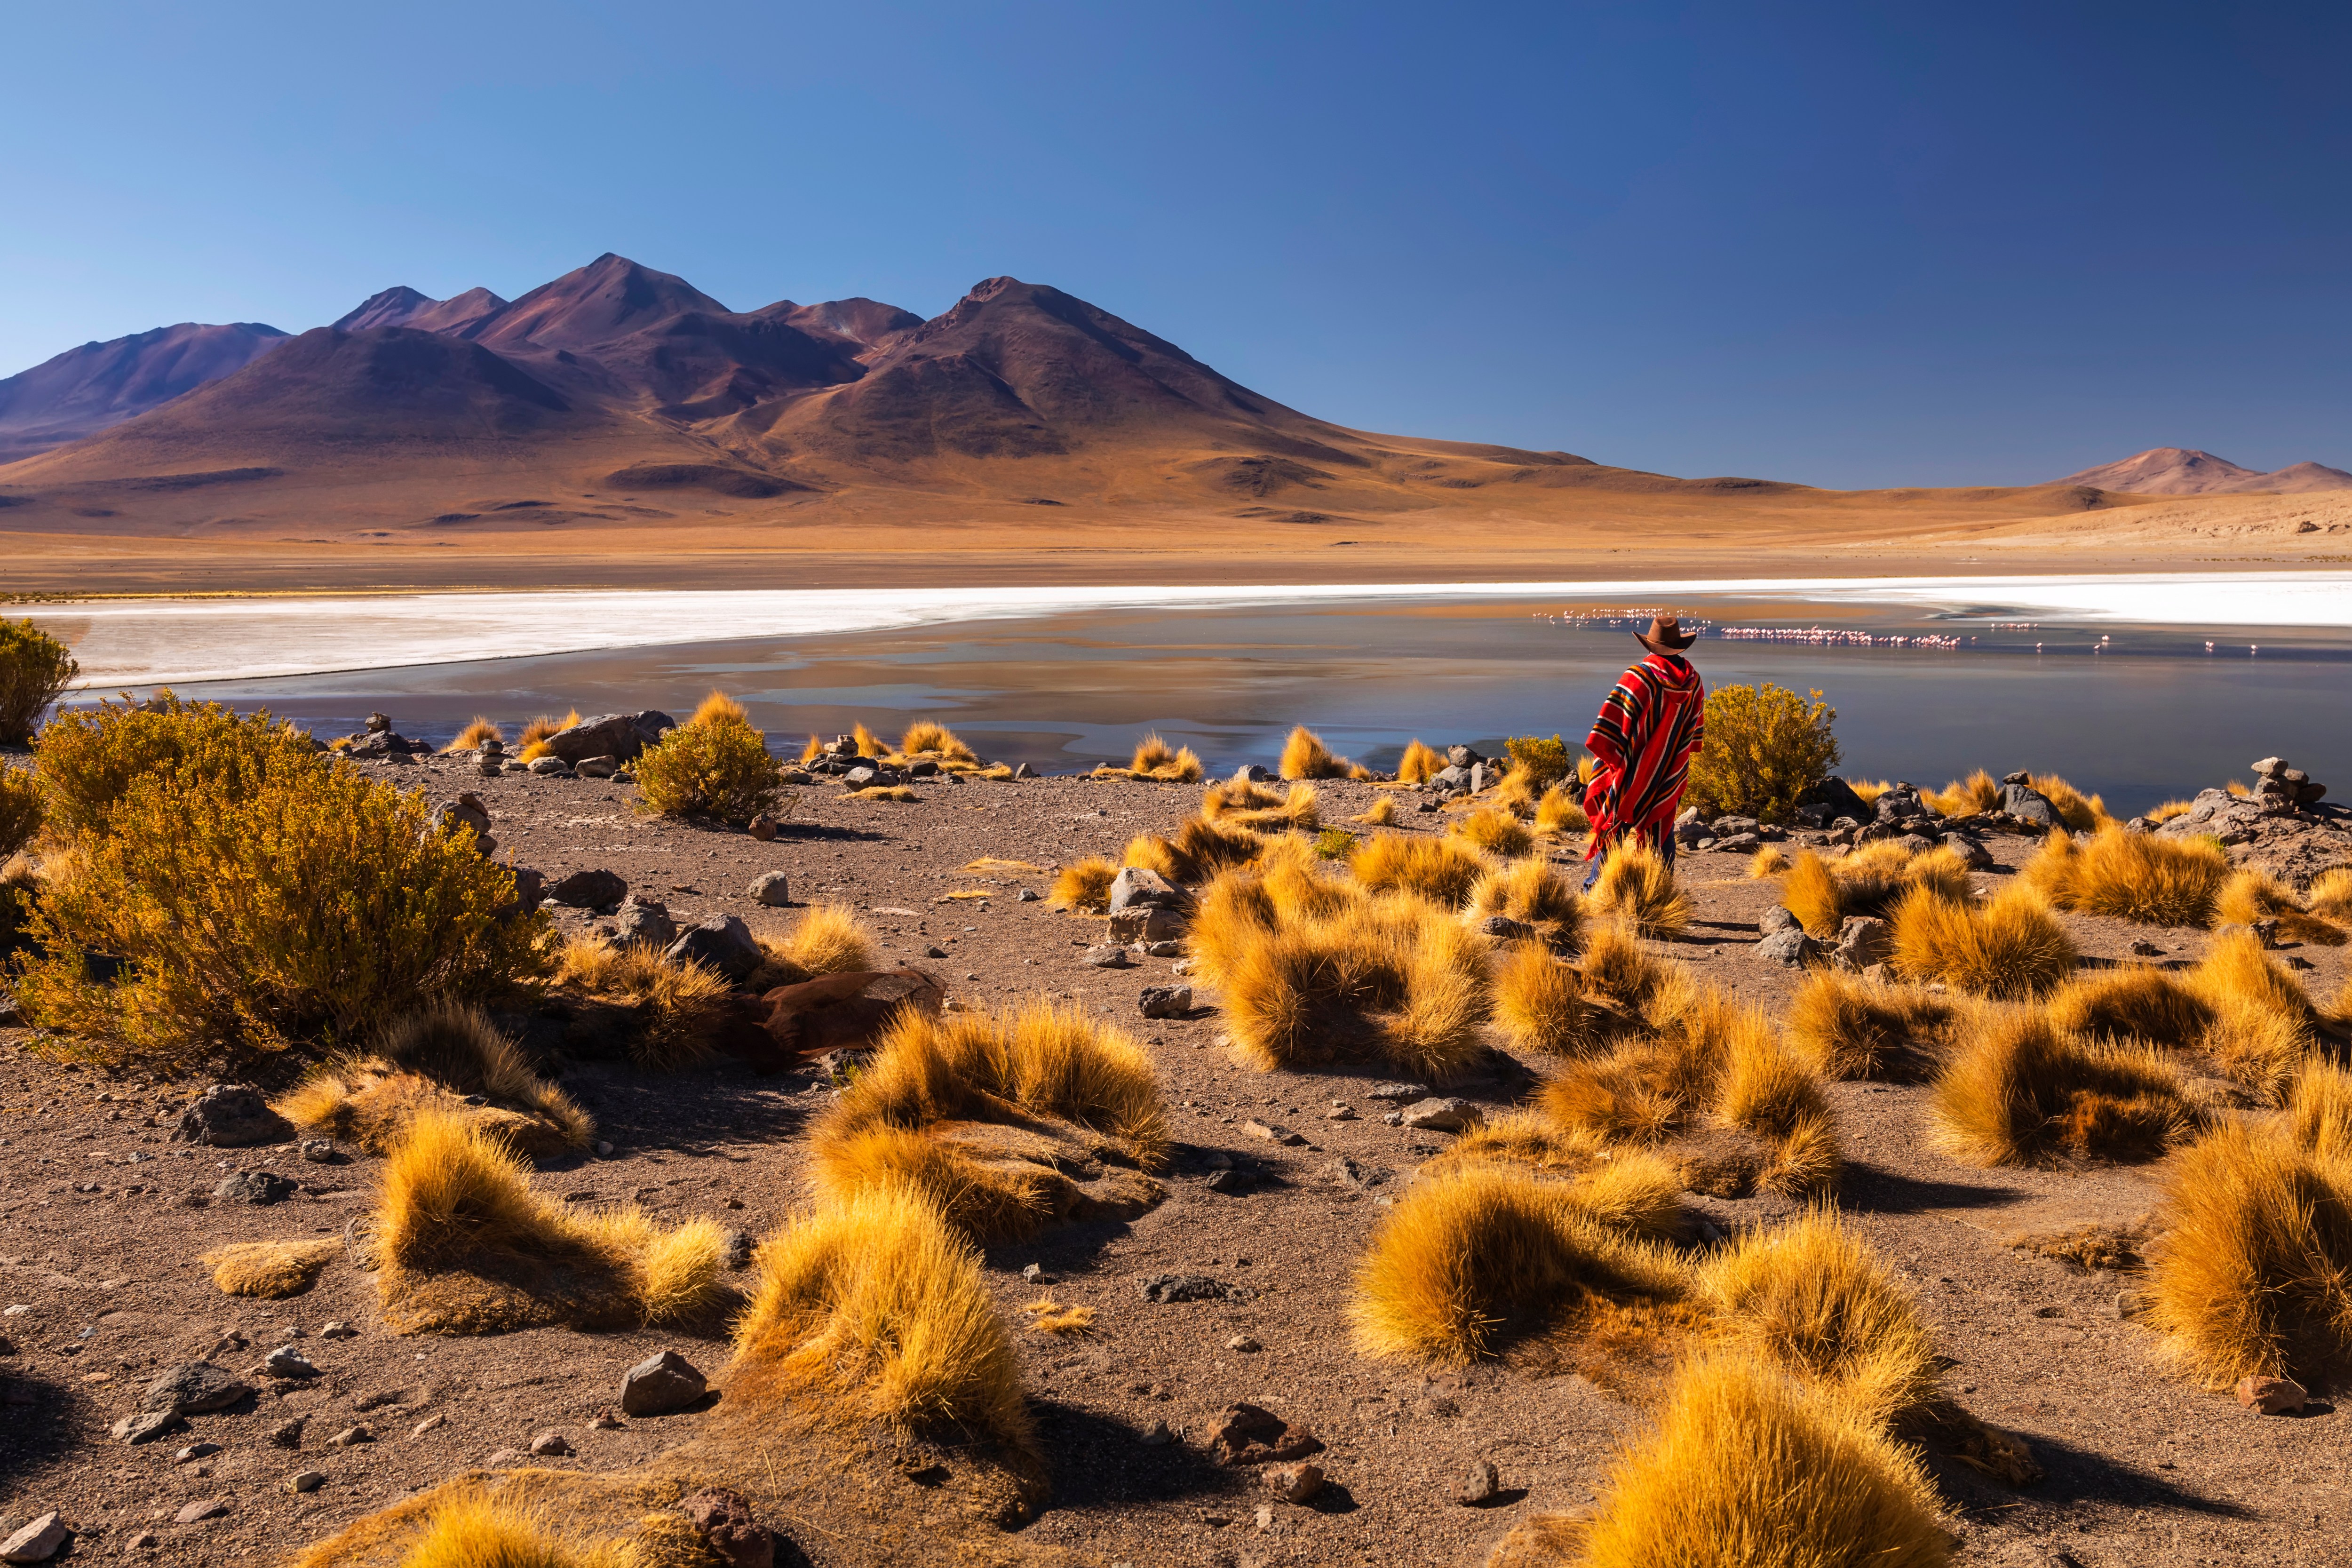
column 99, row 385
column 2184, row 471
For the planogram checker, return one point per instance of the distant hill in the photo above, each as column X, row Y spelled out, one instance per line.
column 2185, row 471
column 86, row 389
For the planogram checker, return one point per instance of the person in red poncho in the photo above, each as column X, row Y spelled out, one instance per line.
column 1651, row 725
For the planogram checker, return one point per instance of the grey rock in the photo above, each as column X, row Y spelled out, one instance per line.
column 232, row 1116
column 1166, row 1001
column 1398, row 1092
column 645, row 920
column 723, row 943
column 1167, row 949
column 339, row 1332
column 1226, row 1181
column 306, row 1481
column 530, row 890
column 597, row 767
column 738, row 1243
column 861, row 777
column 770, row 888
column 1167, row 1288
column 430, row 1423
column 317, row 1151
column 146, row 1427
column 1148, row 924
column 194, row 1387
column 1862, row 940
column 288, row 1433
column 351, row 1436
column 1790, row 945
column 1732, row 827
column 1141, row 886
column 501, row 1458
column 2270, row 767
column 253, row 1188
column 1273, row 1132
column 595, row 890
column 1444, row 1114
column 922, row 770
column 1478, row 1485
column 37, row 1541
column 1109, row 956
column 195, row 1451
column 660, row 1385
column 203, row 1507
column 1737, row 843
column 2027, row 803
column 550, row 1445
column 1970, row 849
column 287, row 1362
column 1777, row 918
column 468, row 817
column 1250, row 773
column 1037, row 1275
column 1461, row 757
column 1505, row 927
column 1026, row 896
column 1451, row 779
column 548, row 767
column 620, row 736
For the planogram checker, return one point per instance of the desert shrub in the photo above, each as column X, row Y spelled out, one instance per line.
column 2130, row 876
column 668, row 1015
column 2013, row 946
column 1557, row 812
column 1200, row 849
column 829, row 939
column 20, row 810
column 1538, row 1003
column 2330, row 895
column 1532, row 892
column 91, row 757
column 1812, row 1296
column 876, row 1304
column 1420, row 764
column 1849, row 1029
column 35, row 671
column 1239, row 803
column 714, row 764
column 1381, row 813
column 1441, row 869
column 1496, row 832
column 2018, row 1092
column 2251, row 895
column 471, row 1530
column 1979, row 791
column 1638, row 887
column 1305, row 756
column 1155, row 759
column 1768, row 862
column 1747, row 1468
column 2261, row 1031
column 271, row 1270
column 2146, row 1005
column 471, row 737
column 464, row 1244
column 1472, row 1259
column 2254, row 1276
column 987, row 1115
column 1765, row 747
column 2318, row 1114
column 1335, row 843
column 2079, row 811
column 436, row 1059
column 1822, row 893
column 1537, row 763
column 1084, row 884
column 928, row 738
column 301, row 902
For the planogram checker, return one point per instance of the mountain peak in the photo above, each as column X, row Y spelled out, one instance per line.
column 405, row 307
column 2188, row 471
column 610, row 297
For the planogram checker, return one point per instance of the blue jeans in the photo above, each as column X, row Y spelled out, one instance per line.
column 1665, row 852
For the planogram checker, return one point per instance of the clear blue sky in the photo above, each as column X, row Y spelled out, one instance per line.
column 1877, row 244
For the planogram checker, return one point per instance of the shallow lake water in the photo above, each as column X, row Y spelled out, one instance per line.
column 1925, row 691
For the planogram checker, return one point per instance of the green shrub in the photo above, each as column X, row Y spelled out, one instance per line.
column 307, row 902
column 34, row 670
column 20, row 810
column 715, row 765
column 89, row 758
column 1540, row 762
column 1766, row 746
column 1334, row 844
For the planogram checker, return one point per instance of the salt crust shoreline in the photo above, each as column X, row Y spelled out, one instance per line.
column 165, row 641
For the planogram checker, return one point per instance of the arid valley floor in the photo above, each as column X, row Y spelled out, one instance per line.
column 102, row 1219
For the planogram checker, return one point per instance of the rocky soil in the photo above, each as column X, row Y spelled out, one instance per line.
column 103, row 1218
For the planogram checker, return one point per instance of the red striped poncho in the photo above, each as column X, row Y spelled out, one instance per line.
column 1650, row 725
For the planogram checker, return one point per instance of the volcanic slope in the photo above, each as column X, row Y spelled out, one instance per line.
column 2185, row 471
column 83, row 391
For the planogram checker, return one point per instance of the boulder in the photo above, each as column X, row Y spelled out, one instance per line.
column 2029, row 805
column 771, row 889
column 1444, row 1114
column 530, row 888
column 620, row 736
column 1252, row 1434
column 232, row 1116
column 287, row 1362
column 597, row 767
column 730, row 1531
column 1107, row 956
column 1139, row 887
column 145, row 1427
column 660, row 1385
column 1788, row 945
column 1250, row 773
column 722, row 942
column 590, row 890
column 646, row 920
column 1834, row 798
column 1166, row 1001
column 844, row 1012
column 1148, row 923
column 1862, row 940
column 1461, row 757
column 194, row 1387
column 1777, row 919
column 1970, row 849
column 469, row 819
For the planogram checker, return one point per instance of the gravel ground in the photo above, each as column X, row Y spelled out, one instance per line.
column 100, row 1277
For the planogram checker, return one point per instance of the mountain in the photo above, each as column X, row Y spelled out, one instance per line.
column 2185, row 471
column 89, row 389
column 407, row 307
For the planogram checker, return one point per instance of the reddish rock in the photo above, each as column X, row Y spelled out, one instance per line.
column 1248, row 1435
column 844, row 1012
column 2271, row 1396
column 724, row 1521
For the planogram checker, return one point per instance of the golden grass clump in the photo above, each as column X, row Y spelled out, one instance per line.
column 1557, row 813
column 1443, row 870
column 1381, row 813
column 536, row 734
column 1475, row 1258
column 1239, row 803
column 989, row 1117
column 2263, row 1020
column 930, row 738
column 1420, row 764
column 2318, row 1114
column 1084, row 885
column 2254, row 1275
column 1157, row 761
column 2144, row 1004
column 1979, row 791
column 1305, row 756
column 1638, row 887
column 717, row 708
column 812, row 751
column 463, row 1244
column 2131, row 876
column 1746, row 1466
column 900, row 793
column 2084, row 813
column 1496, row 832
column 433, row 1060
column 828, row 939
column 471, row 737
column 2330, row 895
column 1540, row 1003
column 1769, row 861
column 668, row 1014
column 471, row 1530
column 2250, row 895
column 875, row 1304
column 1822, row 893
column 271, row 1270
column 1200, row 849
column 1534, row 893
column 1813, row 1298
column 2018, row 1092
column 2011, row 947
column 868, row 744
column 1048, row 1316
column 1849, row 1029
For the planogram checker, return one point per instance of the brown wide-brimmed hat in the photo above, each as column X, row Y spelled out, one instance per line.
column 1665, row 636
